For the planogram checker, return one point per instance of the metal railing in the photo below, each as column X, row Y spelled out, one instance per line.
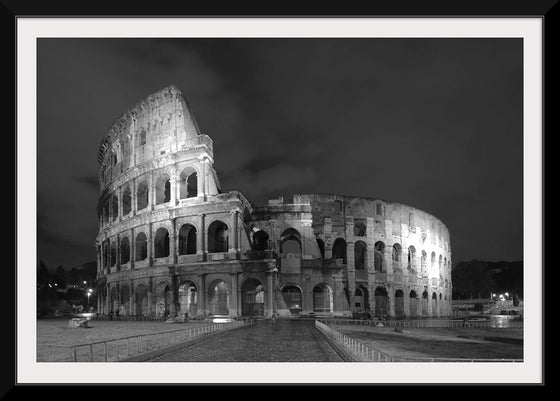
column 421, row 324
column 121, row 348
column 353, row 349
column 357, row 351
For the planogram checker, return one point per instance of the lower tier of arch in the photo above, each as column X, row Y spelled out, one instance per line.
column 237, row 289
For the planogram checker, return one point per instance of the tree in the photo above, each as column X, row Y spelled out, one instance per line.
column 60, row 277
column 471, row 278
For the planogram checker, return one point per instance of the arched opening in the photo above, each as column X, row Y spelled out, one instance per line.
column 290, row 242
column 252, row 295
column 106, row 254
column 142, row 196
column 360, row 251
column 105, row 212
column 359, row 228
column 322, row 299
column 361, row 300
column 411, row 262
column 126, row 201
column 381, row 302
column 125, row 301
column 188, row 183
column 292, row 297
column 440, row 296
column 161, row 243
column 187, row 240
column 399, row 304
column 218, row 298
column 413, row 304
column 321, row 245
column 434, row 304
column 188, row 299
column 113, row 254
column 163, row 300
column 260, row 240
column 141, row 247
column 378, row 256
column 114, row 301
column 396, row 256
column 114, row 207
column 425, row 303
column 125, row 250
column 141, row 300
column 163, row 189
column 217, row 237
column 339, row 250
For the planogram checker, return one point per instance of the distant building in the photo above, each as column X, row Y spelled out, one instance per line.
column 172, row 243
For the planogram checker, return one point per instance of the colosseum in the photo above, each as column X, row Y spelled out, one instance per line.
column 172, row 243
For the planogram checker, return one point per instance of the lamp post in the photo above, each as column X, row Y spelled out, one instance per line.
column 89, row 291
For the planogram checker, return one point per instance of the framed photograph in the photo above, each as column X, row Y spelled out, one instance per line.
column 236, row 199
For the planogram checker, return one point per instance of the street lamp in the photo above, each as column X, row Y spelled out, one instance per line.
column 89, row 291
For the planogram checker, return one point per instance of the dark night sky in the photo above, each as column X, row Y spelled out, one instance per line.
column 432, row 123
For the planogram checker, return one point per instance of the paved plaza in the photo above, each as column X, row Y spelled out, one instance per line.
column 266, row 341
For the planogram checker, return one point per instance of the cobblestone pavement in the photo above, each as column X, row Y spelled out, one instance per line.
column 266, row 341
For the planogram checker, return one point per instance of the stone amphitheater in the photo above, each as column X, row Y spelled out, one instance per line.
column 172, row 243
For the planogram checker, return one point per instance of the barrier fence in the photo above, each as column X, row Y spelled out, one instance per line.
column 421, row 324
column 118, row 349
column 357, row 351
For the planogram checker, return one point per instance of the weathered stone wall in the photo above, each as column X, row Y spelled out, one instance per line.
column 170, row 242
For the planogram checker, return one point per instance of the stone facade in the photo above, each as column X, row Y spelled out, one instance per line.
column 171, row 243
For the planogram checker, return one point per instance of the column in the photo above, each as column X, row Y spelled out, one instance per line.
column 327, row 229
column 201, row 236
column 150, row 245
column 206, row 178
column 201, row 307
column 173, row 186
column 351, row 274
column 388, row 259
column 98, row 291
column 269, row 294
column 133, row 196
column 372, row 296
column 149, row 311
column 391, row 300
column 131, row 303
column 200, row 180
column 151, row 193
column 406, row 295
column 107, row 299
column 173, row 289
column 118, row 308
column 132, row 242
column 118, row 253
column 341, row 306
column 234, row 307
column 120, row 203
column 234, row 225
column 173, row 241
column 429, row 304
column 419, row 303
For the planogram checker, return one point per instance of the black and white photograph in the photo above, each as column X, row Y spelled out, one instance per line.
column 283, row 199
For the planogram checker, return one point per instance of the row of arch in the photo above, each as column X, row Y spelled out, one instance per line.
column 187, row 185
column 290, row 242
column 217, row 299
column 218, row 241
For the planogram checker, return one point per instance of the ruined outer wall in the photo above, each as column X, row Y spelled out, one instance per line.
column 145, row 162
column 400, row 228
